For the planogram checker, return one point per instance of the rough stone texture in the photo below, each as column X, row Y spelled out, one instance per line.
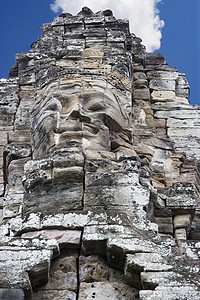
column 93, row 268
column 99, row 168
column 101, row 291
column 11, row 294
column 65, row 238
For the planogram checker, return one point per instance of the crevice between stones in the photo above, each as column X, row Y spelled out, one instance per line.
column 18, row 105
column 77, row 267
column 84, row 173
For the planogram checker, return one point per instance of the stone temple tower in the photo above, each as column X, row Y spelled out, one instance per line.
column 99, row 169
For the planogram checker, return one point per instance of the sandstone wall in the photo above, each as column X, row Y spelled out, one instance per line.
column 99, row 168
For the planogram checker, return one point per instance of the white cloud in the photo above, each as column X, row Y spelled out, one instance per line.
column 143, row 16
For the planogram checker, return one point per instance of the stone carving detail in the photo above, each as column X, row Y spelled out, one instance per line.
column 99, row 168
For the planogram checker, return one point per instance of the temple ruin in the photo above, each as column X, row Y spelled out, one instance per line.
column 99, row 169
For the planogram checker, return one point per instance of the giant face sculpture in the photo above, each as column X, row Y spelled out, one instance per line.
column 71, row 186
column 82, row 126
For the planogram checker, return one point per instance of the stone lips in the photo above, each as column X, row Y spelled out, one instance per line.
column 99, row 151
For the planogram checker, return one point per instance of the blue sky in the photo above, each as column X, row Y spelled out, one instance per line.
column 180, row 44
column 20, row 23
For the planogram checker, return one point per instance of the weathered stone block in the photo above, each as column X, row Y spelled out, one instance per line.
column 180, row 234
column 111, row 179
column 117, row 197
column 67, row 175
column 93, row 269
column 150, row 280
column 162, row 143
column 12, row 210
column 155, row 59
column 105, row 290
column 182, row 221
column 95, row 238
column 117, row 249
column 3, row 139
column 164, row 225
column 170, row 293
column 167, row 75
column 39, row 273
column 11, row 294
column 66, row 197
column 63, row 274
column 142, row 94
column 22, row 117
column 68, row 159
column 138, row 262
column 151, row 121
column 163, row 212
column 181, row 195
column 162, row 85
column 54, row 294
column 65, row 238
column 19, row 137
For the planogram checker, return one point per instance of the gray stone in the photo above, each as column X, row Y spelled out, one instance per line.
column 164, row 224
column 182, row 221
column 105, row 290
column 54, row 294
column 65, row 238
column 92, row 269
column 180, row 234
column 98, row 143
column 170, row 293
column 163, row 85
column 150, row 280
column 63, row 274
column 11, row 294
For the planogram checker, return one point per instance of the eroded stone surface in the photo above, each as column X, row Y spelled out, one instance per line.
column 104, row 290
column 99, row 150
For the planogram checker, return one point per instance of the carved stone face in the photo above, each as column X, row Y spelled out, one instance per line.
column 76, row 119
column 82, row 110
column 81, row 123
column 73, row 185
